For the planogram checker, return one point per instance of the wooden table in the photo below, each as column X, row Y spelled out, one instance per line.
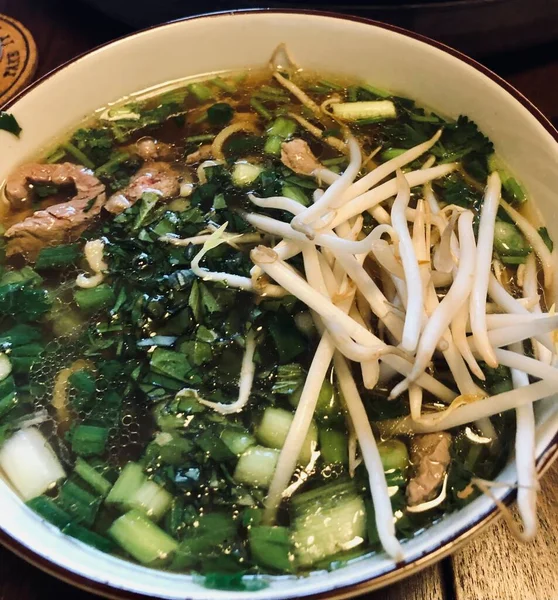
column 492, row 567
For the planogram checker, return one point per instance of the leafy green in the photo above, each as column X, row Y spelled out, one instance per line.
column 453, row 189
column 543, row 232
column 288, row 340
column 220, row 114
column 57, row 256
column 96, row 143
column 460, row 139
column 89, row 440
column 289, row 378
column 209, row 536
column 174, row 365
column 23, row 302
column 232, row 582
column 9, row 123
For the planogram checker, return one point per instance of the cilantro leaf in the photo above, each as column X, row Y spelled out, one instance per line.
column 9, row 123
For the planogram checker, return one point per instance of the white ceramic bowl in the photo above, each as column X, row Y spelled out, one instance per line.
column 388, row 57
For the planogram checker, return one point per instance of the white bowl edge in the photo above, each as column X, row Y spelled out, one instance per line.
column 230, row 42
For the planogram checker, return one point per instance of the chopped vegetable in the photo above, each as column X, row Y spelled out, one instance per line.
column 255, row 467
column 9, row 123
column 30, row 463
column 141, row 538
column 378, row 110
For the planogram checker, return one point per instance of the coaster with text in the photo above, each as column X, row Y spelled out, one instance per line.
column 18, row 57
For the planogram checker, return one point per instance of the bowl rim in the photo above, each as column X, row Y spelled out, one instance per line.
column 464, row 534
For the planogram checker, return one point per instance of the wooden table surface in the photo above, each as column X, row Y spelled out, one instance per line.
column 493, row 566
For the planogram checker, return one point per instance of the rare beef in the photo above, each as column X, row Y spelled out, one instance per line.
column 430, row 455
column 58, row 224
column 158, row 177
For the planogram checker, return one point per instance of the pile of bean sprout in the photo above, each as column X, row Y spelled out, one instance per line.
column 400, row 325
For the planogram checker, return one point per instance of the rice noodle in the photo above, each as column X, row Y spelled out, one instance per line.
column 479, row 291
column 225, row 134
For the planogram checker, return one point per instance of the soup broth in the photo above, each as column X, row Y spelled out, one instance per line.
column 160, row 348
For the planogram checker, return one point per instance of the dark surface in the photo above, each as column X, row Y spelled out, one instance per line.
column 63, row 30
column 474, row 26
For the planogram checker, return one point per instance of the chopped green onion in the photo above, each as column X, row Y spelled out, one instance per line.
column 141, row 538
column 57, row 256
column 260, row 108
column 295, row 193
column 94, row 299
column 270, row 98
column 204, row 137
column 89, row 440
column 88, row 537
column 9, row 123
column 283, row 128
column 392, row 153
column 274, row 91
column 112, row 164
column 225, row 85
column 56, row 155
column 92, row 477
column 375, row 91
column 201, row 91
column 273, row 145
column 271, row 547
column 82, row 505
column 332, row 162
column 49, row 510
column 78, row 155
column 334, row 446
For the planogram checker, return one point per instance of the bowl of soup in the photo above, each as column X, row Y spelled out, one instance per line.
column 277, row 293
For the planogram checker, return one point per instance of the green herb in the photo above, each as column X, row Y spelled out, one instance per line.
column 220, row 114
column 23, row 302
column 543, row 232
column 57, row 257
column 9, row 123
column 89, row 440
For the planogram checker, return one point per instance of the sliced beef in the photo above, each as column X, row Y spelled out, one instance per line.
column 202, row 153
column 158, row 177
column 58, row 224
column 297, row 156
column 19, row 193
column 151, row 149
column 430, row 455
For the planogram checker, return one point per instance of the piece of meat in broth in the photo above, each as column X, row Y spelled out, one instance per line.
column 158, row 177
column 430, row 455
column 202, row 153
column 60, row 223
column 297, row 156
column 151, row 149
column 18, row 186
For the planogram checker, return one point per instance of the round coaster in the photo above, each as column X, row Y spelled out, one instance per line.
column 18, row 57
